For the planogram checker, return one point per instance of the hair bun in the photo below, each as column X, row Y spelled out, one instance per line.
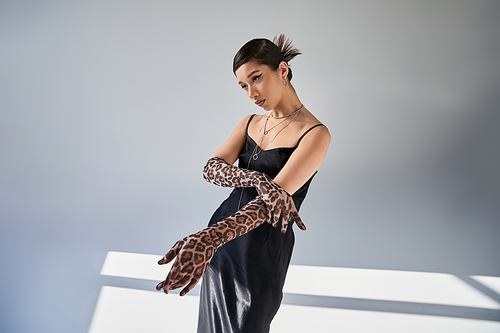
column 285, row 45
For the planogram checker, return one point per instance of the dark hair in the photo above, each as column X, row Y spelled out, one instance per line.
column 265, row 52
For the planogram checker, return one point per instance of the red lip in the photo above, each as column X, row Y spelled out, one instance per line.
column 260, row 102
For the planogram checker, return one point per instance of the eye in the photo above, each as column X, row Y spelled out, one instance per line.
column 243, row 86
column 256, row 78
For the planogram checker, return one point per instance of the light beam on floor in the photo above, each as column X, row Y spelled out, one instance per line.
column 429, row 302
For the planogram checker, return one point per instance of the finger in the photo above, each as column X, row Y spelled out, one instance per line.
column 285, row 219
column 172, row 276
column 171, row 254
column 165, row 258
column 287, row 216
column 160, row 285
column 182, row 282
column 190, row 286
column 284, row 225
column 276, row 217
column 270, row 217
column 299, row 222
column 163, row 287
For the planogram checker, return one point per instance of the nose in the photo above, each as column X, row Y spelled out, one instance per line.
column 252, row 93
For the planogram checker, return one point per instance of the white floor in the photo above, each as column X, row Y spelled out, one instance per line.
column 130, row 310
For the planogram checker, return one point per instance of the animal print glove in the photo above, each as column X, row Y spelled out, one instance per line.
column 195, row 252
column 278, row 201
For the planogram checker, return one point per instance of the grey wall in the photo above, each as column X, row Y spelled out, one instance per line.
column 109, row 110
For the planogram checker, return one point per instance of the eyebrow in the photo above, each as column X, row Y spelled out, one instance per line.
column 252, row 73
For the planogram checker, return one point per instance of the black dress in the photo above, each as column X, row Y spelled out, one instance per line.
column 241, row 290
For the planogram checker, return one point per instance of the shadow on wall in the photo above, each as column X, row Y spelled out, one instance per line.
column 476, row 157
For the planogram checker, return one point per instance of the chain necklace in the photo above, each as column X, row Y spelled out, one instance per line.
column 265, row 124
column 257, row 150
column 294, row 113
column 290, row 114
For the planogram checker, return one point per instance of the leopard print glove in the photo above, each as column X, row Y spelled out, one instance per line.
column 195, row 252
column 278, row 201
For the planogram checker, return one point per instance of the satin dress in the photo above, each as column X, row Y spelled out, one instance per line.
column 241, row 290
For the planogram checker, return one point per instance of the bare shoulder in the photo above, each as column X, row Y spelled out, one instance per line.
column 315, row 128
column 256, row 122
column 319, row 133
column 242, row 125
column 317, row 137
column 245, row 120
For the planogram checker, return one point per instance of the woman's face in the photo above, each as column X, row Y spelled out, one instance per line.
column 262, row 85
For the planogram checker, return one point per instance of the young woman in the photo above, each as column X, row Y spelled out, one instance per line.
column 244, row 260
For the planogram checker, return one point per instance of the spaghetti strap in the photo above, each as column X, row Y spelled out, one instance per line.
column 307, row 132
column 249, row 120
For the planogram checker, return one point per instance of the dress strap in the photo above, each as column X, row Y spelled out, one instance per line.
column 249, row 120
column 308, row 132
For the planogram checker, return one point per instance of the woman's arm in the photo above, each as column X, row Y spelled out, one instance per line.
column 305, row 160
column 194, row 253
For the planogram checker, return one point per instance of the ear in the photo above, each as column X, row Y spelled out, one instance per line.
column 283, row 70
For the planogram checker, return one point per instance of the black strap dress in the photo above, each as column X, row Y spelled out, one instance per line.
column 241, row 290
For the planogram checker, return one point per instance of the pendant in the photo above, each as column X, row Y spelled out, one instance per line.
column 265, row 132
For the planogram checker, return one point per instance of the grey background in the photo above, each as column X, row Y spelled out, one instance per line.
column 109, row 110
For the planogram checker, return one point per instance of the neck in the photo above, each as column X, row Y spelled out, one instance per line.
column 289, row 103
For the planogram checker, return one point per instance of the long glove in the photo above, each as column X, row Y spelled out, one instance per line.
column 195, row 252
column 278, row 201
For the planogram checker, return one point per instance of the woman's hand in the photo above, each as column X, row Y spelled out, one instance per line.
column 278, row 203
column 193, row 254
